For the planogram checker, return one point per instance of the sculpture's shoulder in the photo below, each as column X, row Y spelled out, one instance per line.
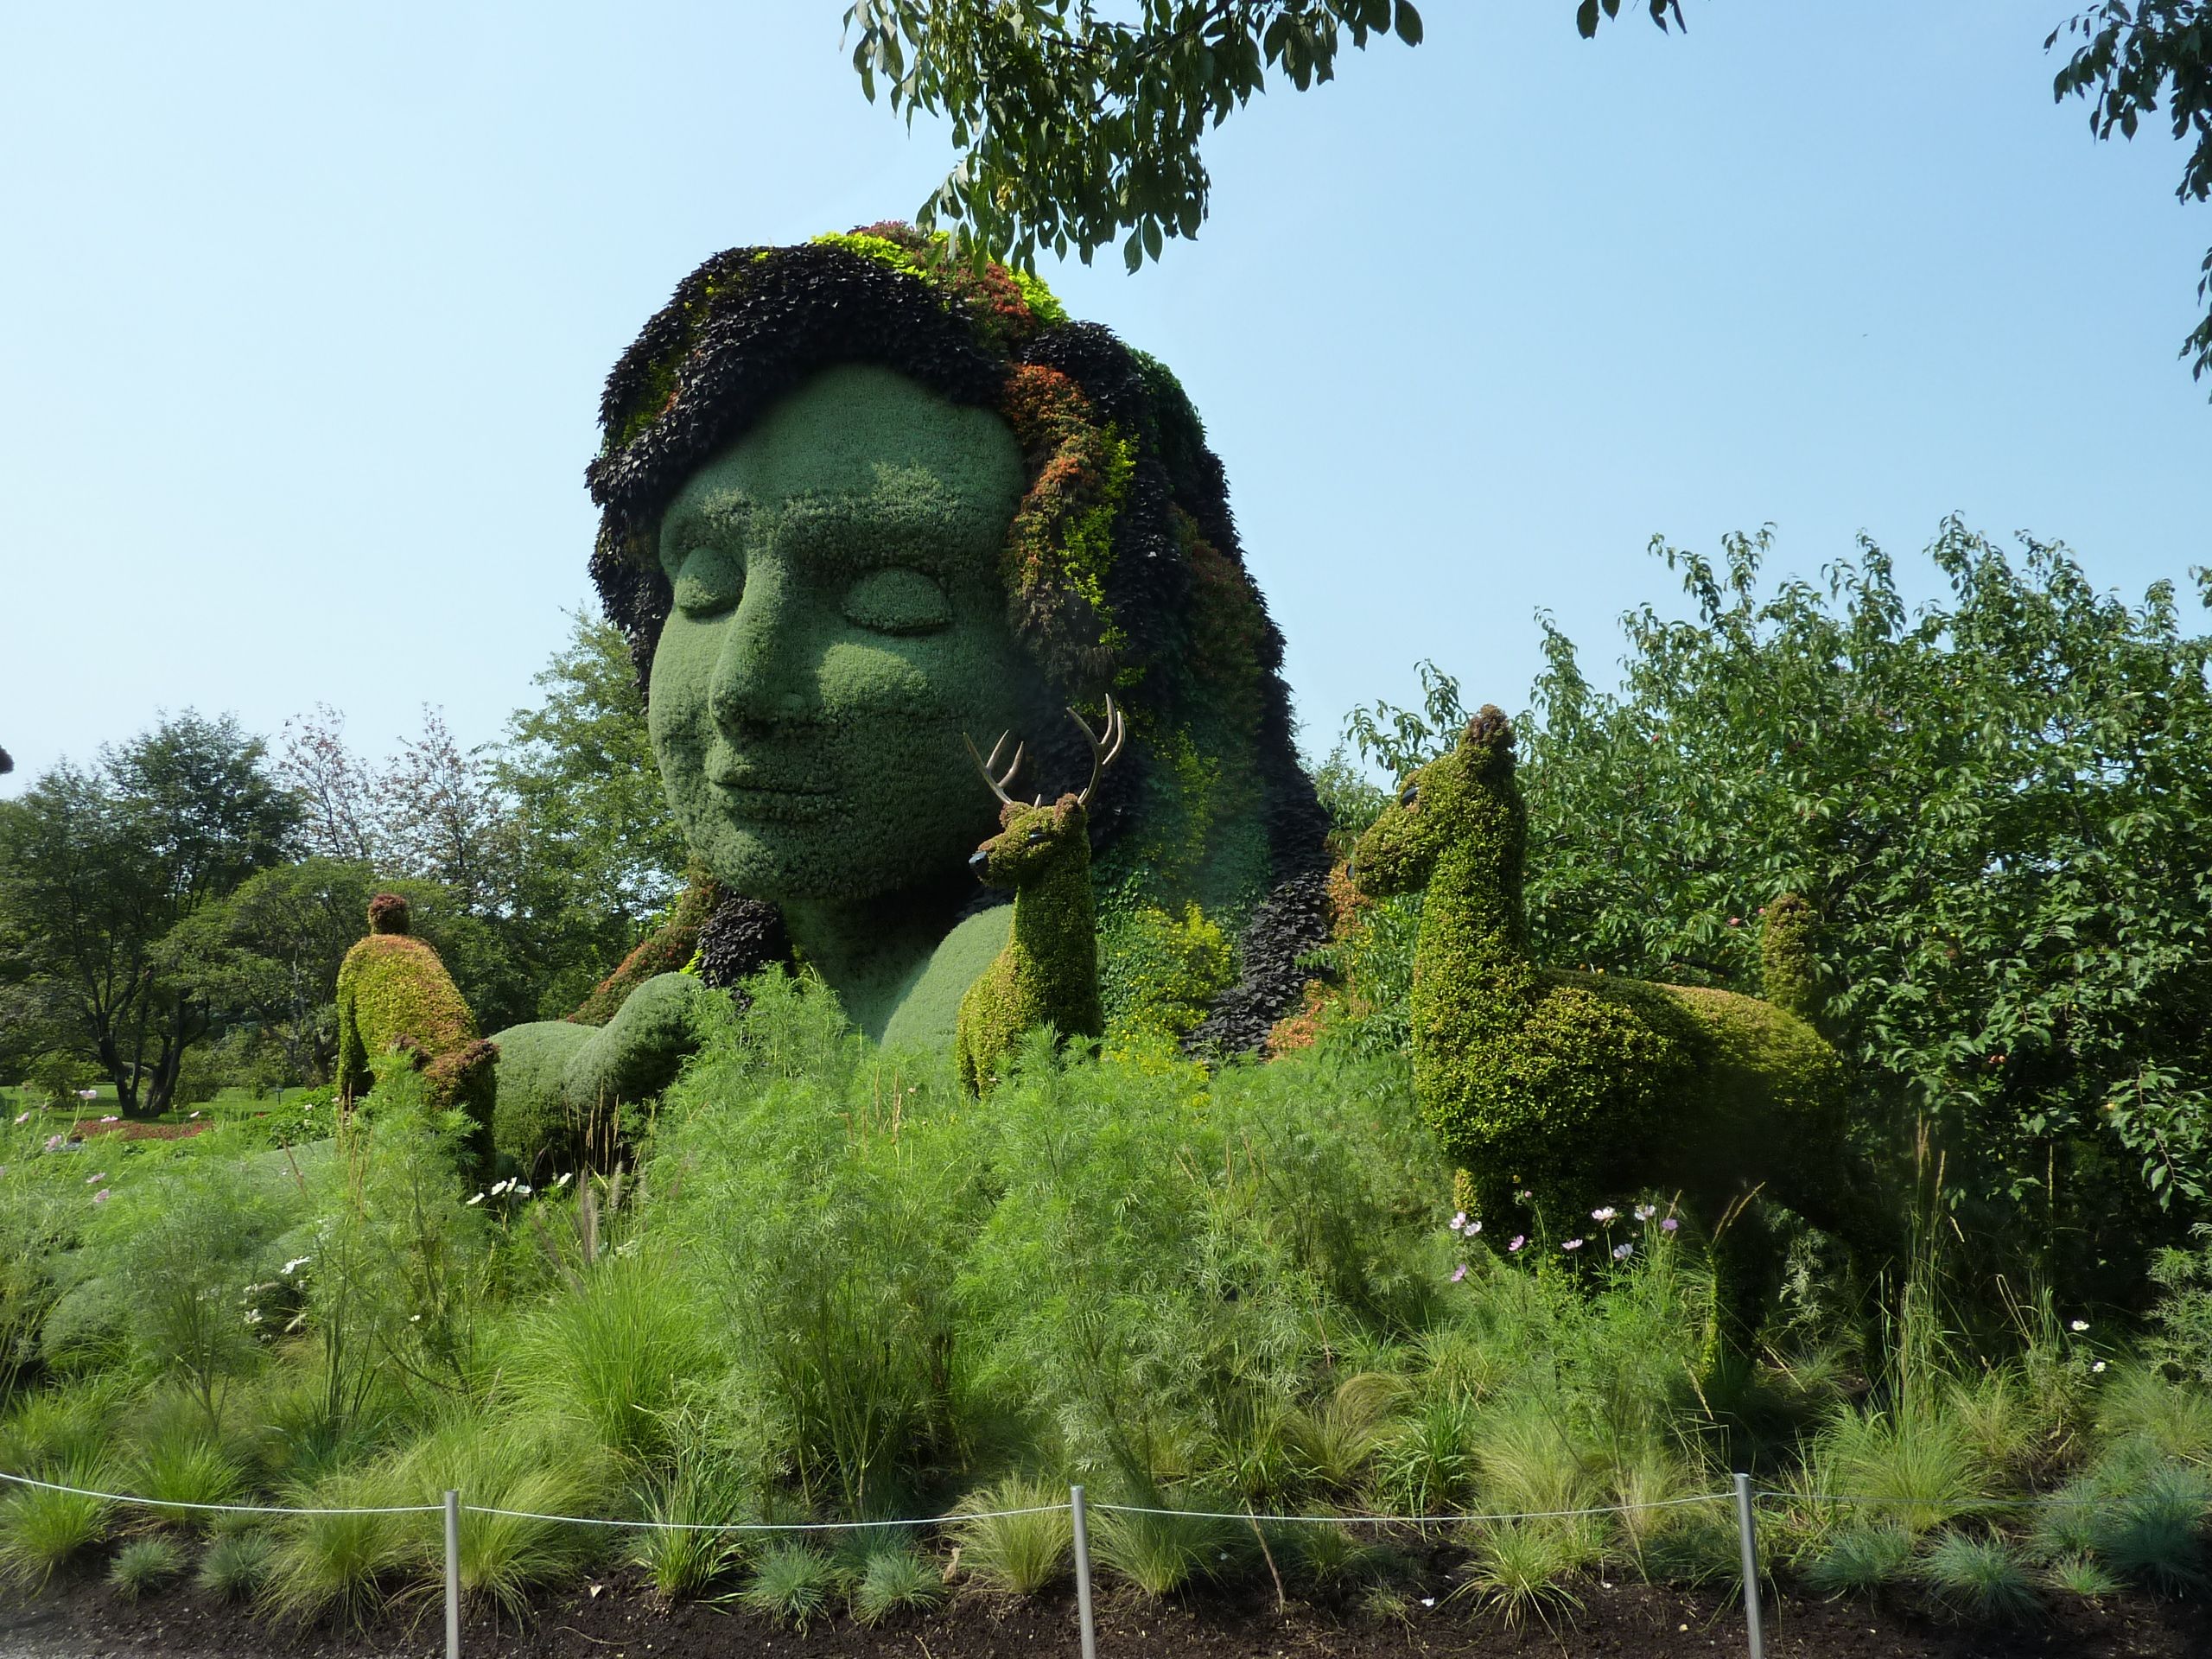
column 396, row 986
column 929, row 1009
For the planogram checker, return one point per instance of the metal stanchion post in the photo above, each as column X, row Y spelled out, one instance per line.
column 1750, row 1541
column 1083, row 1573
column 453, row 1575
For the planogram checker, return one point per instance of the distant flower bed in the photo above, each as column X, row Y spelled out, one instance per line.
column 85, row 1128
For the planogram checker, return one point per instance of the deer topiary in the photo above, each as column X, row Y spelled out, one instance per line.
column 395, row 998
column 1047, row 975
column 1571, row 1089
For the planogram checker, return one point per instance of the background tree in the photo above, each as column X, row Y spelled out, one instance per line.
column 96, row 867
column 1997, row 805
column 1076, row 130
column 263, row 960
column 598, row 856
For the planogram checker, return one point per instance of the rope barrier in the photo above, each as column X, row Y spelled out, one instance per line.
column 954, row 1518
column 224, row 1509
column 766, row 1526
column 1415, row 1520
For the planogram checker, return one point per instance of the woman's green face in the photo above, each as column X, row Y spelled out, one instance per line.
column 839, row 624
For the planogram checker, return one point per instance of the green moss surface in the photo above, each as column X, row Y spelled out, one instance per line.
column 396, row 1001
column 563, row 1087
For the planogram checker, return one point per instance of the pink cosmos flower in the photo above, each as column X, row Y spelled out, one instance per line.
column 1669, row 1225
column 1604, row 1213
column 100, row 1196
column 21, row 1118
column 1457, row 1221
column 1622, row 1252
column 1645, row 1211
column 1572, row 1245
column 1519, row 1239
column 1459, row 1273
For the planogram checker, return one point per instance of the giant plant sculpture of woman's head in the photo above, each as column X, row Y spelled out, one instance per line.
column 859, row 501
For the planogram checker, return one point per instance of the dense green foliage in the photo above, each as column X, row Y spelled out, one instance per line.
column 837, row 1286
column 1554, row 1091
column 96, row 867
column 1995, row 805
column 1076, row 129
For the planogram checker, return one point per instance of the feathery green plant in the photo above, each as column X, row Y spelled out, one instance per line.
column 1015, row 1554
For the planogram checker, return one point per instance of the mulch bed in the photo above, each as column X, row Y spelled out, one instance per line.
column 83, row 1620
column 133, row 1129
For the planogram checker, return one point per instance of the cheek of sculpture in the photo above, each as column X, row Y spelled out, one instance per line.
column 846, row 629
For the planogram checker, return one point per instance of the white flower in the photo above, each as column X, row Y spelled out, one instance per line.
column 479, row 1198
column 499, row 1187
column 2099, row 1366
column 1428, row 1601
column 2077, row 1325
column 414, row 1319
column 520, row 1189
column 295, row 1264
column 1645, row 1211
column 253, row 1316
column 559, row 1181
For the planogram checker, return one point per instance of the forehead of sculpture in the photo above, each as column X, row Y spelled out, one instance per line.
column 859, row 431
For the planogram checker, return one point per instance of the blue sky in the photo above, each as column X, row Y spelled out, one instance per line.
column 306, row 316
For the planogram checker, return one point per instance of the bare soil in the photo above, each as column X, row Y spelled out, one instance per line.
column 621, row 1620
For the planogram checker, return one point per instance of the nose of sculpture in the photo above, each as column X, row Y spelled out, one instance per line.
column 764, row 669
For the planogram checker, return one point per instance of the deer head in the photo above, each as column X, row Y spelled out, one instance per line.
column 1033, row 837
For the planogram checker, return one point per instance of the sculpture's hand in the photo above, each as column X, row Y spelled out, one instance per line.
column 637, row 1054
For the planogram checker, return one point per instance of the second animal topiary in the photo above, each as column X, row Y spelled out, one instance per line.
column 396, row 1001
column 1570, row 1088
column 1047, row 975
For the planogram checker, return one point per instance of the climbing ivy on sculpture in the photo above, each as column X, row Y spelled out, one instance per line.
column 396, row 1001
column 1562, row 1089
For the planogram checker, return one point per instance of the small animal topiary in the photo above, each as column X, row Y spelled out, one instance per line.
column 395, row 997
column 1575, row 1088
column 1047, row 975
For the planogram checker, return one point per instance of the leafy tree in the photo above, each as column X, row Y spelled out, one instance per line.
column 2133, row 53
column 264, row 959
column 599, row 855
column 1077, row 130
column 96, row 867
column 1999, row 806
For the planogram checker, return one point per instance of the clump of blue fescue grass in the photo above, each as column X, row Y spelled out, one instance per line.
column 793, row 1583
column 1977, row 1580
column 235, row 1565
column 896, row 1579
column 144, row 1566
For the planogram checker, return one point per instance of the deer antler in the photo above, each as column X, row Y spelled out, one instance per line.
column 1105, row 744
column 990, row 768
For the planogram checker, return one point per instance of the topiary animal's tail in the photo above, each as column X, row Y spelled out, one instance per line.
column 1789, row 974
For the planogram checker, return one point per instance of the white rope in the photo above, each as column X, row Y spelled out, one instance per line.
column 222, row 1509
column 1926, row 1503
column 764, row 1526
column 1417, row 1520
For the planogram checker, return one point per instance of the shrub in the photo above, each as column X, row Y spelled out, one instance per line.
column 144, row 1566
column 676, row 1554
column 186, row 1466
column 894, row 1579
column 236, row 1564
column 793, row 1583
column 336, row 1563
column 1014, row 1554
column 1162, row 1552
column 1859, row 1560
column 616, row 1354
column 41, row 1530
column 1520, row 1567
column 1977, row 1578
column 1915, row 1460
